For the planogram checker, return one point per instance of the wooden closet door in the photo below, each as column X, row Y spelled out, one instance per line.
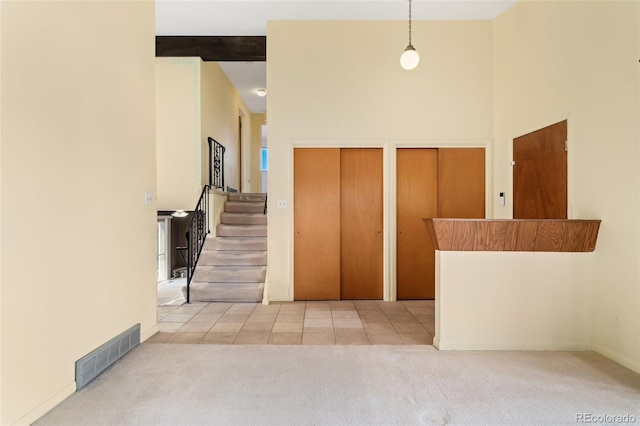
column 417, row 188
column 361, row 223
column 316, row 210
column 461, row 182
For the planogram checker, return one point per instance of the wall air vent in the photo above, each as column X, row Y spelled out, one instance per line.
column 91, row 365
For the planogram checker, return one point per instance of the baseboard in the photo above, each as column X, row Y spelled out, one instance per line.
column 616, row 357
column 466, row 346
column 149, row 332
column 47, row 406
column 436, row 342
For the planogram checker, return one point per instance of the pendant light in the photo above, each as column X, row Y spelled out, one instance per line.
column 409, row 58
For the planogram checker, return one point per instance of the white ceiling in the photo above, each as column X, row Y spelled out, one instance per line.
column 249, row 18
column 247, row 77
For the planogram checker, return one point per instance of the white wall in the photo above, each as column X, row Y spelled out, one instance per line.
column 77, row 157
column 257, row 121
column 221, row 106
column 1, row 325
column 513, row 300
column 180, row 155
column 194, row 101
column 579, row 61
column 344, row 86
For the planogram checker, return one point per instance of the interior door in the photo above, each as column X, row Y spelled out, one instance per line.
column 417, row 188
column 316, row 223
column 540, row 174
column 461, row 182
column 442, row 182
column 361, row 223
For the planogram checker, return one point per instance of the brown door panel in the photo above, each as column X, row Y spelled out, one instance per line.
column 361, row 223
column 316, row 224
column 540, row 174
column 417, row 185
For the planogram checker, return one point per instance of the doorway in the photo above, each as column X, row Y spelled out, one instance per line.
column 163, row 248
column 264, row 158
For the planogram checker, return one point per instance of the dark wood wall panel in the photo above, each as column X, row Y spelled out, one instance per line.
column 213, row 48
column 540, row 174
column 513, row 235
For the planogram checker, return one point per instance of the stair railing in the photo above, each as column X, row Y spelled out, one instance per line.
column 196, row 234
column 216, row 163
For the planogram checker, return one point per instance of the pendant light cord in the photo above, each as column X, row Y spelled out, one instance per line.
column 409, row 22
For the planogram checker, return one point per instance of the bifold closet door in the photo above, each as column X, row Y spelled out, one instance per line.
column 417, row 189
column 432, row 182
column 461, row 183
column 316, row 223
column 361, row 209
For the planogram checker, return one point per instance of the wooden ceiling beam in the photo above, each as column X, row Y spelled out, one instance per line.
column 213, row 48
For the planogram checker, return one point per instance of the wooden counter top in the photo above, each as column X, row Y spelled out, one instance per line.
column 549, row 235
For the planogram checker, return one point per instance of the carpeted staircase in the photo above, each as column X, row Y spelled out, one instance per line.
column 233, row 265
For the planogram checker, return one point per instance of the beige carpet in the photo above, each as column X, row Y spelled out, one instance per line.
column 162, row 384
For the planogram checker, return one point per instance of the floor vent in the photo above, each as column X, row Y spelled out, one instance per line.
column 91, row 365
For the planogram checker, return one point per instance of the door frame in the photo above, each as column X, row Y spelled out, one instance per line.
column 570, row 159
column 389, row 225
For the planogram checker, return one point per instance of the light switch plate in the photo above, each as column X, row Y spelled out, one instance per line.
column 148, row 198
column 282, row 204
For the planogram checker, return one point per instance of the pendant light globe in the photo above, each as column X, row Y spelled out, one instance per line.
column 409, row 58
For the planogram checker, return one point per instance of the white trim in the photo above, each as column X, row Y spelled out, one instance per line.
column 615, row 356
column 47, row 405
column 497, row 346
column 391, row 292
column 146, row 334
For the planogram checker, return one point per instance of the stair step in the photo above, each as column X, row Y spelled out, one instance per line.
column 239, row 196
column 225, row 292
column 230, row 274
column 243, row 218
column 236, row 243
column 232, row 258
column 223, row 230
column 244, row 206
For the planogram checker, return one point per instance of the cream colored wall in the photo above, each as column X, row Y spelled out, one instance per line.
column 344, row 87
column 579, row 61
column 1, row 325
column 195, row 100
column 257, row 121
column 178, row 133
column 221, row 106
column 514, row 300
column 78, row 149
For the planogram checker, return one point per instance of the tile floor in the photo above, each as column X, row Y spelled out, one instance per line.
column 346, row 322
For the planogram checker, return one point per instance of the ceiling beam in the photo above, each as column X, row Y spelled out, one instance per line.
column 213, row 48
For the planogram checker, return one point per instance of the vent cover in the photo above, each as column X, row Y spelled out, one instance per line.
column 91, row 365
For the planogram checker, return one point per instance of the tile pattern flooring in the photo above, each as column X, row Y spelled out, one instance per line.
column 345, row 322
